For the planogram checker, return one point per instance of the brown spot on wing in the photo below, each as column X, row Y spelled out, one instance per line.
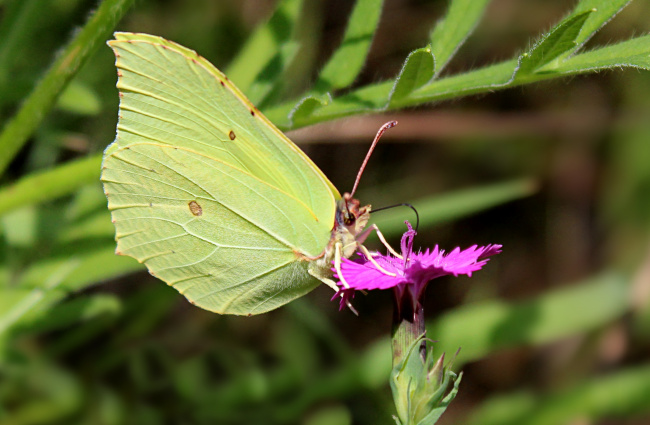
column 232, row 135
column 195, row 208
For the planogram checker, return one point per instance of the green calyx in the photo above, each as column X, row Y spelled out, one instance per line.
column 421, row 387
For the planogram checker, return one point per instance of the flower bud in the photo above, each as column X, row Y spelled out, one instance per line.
column 420, row 387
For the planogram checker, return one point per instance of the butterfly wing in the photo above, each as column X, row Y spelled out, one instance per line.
column 204, row 190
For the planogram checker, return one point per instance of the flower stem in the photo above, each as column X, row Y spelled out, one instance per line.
column 408, row 324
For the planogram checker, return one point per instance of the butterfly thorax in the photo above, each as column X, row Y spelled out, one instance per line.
column 349, row 222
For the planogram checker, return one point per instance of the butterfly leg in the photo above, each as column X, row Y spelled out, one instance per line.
column 338, row 249
column 322, row 275
column 370, row 258
column 361, row 237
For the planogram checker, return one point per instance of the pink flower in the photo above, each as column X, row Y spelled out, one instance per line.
column 410, row 273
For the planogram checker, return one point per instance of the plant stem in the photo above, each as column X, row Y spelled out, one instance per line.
column 408, row 325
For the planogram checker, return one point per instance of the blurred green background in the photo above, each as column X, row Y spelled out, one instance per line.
column 555, row 330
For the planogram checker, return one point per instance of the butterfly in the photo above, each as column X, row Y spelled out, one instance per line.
column 211, row 196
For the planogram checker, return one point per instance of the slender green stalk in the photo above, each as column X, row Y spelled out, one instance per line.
column 17, row 131
column 14, row 29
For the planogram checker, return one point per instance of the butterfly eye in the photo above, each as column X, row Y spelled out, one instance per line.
column 349, row 218
column 345, row 216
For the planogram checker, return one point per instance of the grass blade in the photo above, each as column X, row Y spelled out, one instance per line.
column 50, row 184
column 264, row 46
column 16, row 132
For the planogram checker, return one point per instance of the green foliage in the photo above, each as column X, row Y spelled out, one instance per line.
column 422, row 388
column 552, row 45
column 76, row 350
column 16, row 132
column 416, row 72
column 262, row 63
column 450, row 33
column 346, row 62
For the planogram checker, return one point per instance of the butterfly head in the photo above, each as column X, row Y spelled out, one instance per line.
column 350, row 215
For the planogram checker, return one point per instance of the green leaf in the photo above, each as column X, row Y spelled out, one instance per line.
column 634, row 53
column 348, row 60
column 452, row 206
column 416, row 71
column 602, row 11
column 559, row 40
column 451, row 32
column 373, row 97
column 306, row 107
column 264, row 46
column 268, row 82
column 16, row 132
column 50, row 184
column 436, row 413
column 483, row 80
column 340, row 71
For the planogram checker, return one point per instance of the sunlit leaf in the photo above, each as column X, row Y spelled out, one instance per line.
column 451, row 32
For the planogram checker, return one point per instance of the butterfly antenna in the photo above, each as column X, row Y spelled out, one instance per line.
column 417, row 216
column 383, row 128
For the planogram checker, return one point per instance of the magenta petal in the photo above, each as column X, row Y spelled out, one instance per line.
column 435, row 263
column 345, row 296
column 365, row 276
column 417, row 269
